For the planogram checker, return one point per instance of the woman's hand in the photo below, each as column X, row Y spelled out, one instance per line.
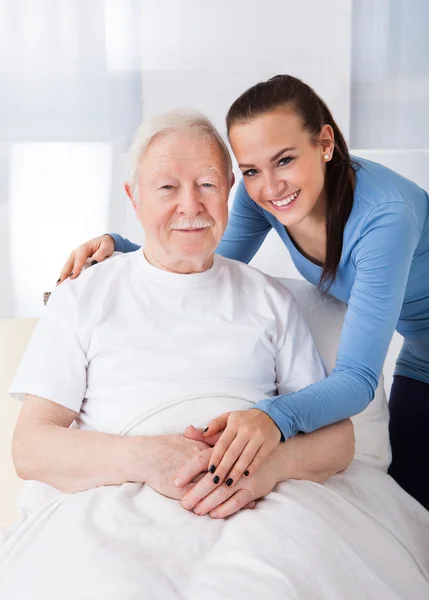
column 248, row 437
column 96, row 249
column 221, row 501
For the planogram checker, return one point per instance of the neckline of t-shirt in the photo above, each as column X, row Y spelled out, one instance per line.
column 177, row 279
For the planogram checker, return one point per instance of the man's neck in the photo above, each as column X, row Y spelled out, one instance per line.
column 184, row 267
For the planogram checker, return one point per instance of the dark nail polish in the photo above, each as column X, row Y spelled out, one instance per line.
column 206, row 429
column 71, row 274
column 216, row 479
column 229, row 482
column 58, row 280
column 94, row 262
column 212, row 469
column 246, row 473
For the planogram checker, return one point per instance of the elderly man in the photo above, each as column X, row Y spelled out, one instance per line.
column 139, row 332
column 128, row 354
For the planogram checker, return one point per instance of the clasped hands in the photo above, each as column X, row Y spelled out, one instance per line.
column 204, row 468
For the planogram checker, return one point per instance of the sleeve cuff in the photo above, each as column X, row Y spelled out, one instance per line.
column 119, row 241
column 283, row 423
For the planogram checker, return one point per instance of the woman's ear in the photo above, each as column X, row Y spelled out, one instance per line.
column 327, row 141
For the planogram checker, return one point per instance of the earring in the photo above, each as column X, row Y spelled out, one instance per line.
column 326, row 156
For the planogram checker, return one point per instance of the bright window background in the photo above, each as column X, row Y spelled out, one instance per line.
column 71, row 98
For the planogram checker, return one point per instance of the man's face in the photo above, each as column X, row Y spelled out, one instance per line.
column 182, row 202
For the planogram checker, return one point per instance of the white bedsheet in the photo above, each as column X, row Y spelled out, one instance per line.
column 359, row 536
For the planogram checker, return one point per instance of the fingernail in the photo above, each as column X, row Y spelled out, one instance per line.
column 206, row 429
column 214, row 514
column 177, row 482
column 94, row 262
column 58, row 280
column 216, row 479
column 186, row 505
column 229, row 482
column 71, row 274
column 212, row 469
column 246, row 473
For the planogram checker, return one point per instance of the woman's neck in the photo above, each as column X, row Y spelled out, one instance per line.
column 309, row 236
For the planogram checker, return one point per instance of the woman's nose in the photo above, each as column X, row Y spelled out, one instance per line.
column 273, row 186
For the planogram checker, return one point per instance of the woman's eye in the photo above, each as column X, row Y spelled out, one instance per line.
column 249, row 173
column 285, row 161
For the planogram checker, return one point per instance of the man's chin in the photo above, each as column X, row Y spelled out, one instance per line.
column 195, row 251
column 196, row 256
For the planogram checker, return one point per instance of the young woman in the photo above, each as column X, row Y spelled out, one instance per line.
column 352, row 227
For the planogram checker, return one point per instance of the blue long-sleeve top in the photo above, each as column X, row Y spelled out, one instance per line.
column 383, row 276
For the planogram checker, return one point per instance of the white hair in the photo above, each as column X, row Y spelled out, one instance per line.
column 170, row 122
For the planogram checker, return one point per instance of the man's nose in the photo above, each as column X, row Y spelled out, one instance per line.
column 190, row 202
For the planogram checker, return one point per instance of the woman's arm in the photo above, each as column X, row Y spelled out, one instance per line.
column 123, row 244
column 383, row 258
column 94, row 251
column 246, row 230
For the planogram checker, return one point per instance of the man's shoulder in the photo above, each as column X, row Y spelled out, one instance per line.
column 96, row 281
column 253, row 278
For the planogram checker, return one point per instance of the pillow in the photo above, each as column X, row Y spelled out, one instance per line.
column 325, row 316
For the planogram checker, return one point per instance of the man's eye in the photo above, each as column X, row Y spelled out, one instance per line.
column 285, row 161
column 208, row 185
column 249, row 172
column 167, row 187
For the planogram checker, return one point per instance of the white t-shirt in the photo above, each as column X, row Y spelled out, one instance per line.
column 126, row 336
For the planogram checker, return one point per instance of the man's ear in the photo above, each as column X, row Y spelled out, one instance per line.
column 131, row 195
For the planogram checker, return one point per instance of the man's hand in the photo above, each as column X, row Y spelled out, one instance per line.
column 248, row 438
column 165, row 455
column 96, row 249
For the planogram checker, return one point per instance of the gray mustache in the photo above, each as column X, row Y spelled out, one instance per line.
column 194, row 223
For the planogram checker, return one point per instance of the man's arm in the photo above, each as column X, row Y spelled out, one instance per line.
column 46, row 449
column 315, row 456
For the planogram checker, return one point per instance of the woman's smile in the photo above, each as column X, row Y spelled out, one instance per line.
column 286, row 202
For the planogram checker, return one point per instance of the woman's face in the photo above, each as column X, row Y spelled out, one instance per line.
column 282, row 166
